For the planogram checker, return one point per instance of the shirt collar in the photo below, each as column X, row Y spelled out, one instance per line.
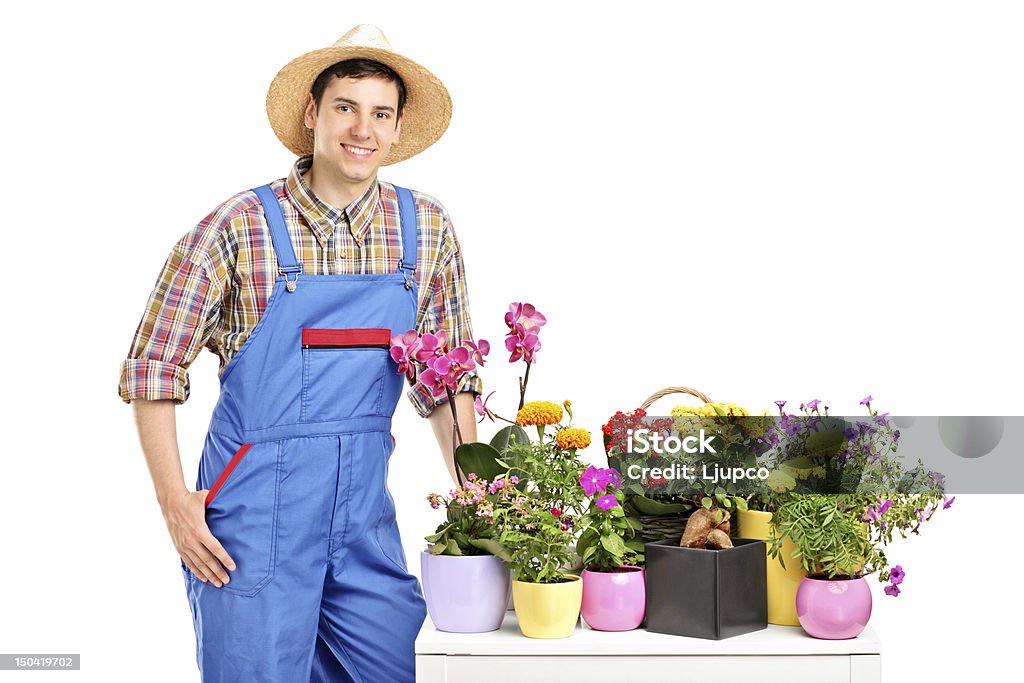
column 323, row 218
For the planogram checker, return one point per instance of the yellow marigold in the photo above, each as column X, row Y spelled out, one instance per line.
column 567, row 404
column 539, row 413
column 573, row 437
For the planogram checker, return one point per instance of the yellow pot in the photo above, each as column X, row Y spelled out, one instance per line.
column 548, row 610
column 782, row 582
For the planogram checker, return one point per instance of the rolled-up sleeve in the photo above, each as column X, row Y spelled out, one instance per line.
column 179, row 319
column 448, row 309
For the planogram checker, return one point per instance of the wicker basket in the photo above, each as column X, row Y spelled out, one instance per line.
column 668, row 526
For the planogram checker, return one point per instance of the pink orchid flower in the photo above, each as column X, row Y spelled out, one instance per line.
column 525, row 346
column 433, row 381
column 432, row 345
column 524, row 318
column 404, row 348
column 478, row 350
column 481, row 407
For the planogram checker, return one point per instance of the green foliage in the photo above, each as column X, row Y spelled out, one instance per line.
column 610, row 538
column 537, row 529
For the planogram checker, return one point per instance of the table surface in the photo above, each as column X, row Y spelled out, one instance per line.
column 774, row 640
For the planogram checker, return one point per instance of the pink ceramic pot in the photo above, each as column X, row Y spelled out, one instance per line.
column 614, row 601
column 833, row 609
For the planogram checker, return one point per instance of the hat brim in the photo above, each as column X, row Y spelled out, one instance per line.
column 427, row 112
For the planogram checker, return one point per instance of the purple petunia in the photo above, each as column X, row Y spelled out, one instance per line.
column 892, row 589
column 896, row 575
column 606, row 502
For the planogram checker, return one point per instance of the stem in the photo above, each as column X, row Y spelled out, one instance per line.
column 456, row 434
column 522, row 386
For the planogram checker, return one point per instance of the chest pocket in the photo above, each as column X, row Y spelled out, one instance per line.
column 343, row 372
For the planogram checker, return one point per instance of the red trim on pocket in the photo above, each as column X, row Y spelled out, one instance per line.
column 367, row 336
column 394, row 442
column 227, row 472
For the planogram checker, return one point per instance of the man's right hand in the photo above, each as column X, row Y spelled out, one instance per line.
column 185, row 516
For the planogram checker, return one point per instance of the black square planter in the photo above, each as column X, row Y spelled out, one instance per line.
column 706, row 593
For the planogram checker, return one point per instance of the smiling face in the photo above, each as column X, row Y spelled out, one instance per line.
column 354, row 128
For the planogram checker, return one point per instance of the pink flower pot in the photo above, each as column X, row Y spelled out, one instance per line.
column 833, row 609
column 614, row 601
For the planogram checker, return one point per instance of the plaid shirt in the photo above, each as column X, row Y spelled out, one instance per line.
column 214, row 287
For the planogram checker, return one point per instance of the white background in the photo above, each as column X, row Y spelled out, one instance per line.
column 760, row 200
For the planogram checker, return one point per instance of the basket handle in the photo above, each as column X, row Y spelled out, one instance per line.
column 674, row 390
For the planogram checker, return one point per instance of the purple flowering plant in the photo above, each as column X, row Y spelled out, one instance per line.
column 850, row 494
column 609, row 538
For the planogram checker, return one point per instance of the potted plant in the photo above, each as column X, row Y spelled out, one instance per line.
column 855, row 466
column 465, row 582
column 611, row 551
column 791, row 468
column 538, row 527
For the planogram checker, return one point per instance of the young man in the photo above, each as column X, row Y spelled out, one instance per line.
column 292, row 559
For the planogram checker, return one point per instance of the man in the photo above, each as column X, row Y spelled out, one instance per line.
column 292, row 560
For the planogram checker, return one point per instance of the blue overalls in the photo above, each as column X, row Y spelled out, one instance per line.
column 296, row 461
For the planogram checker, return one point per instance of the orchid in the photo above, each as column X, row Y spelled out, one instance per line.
column 404, row 348
column 478, row 350
column 481, row 407
column 523, row 346
column 432, row 345
column 524, row 318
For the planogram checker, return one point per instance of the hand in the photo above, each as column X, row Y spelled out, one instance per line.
column 185, row 516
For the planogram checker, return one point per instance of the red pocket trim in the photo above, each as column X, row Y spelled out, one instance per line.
column 227, row 472
column 313, row 337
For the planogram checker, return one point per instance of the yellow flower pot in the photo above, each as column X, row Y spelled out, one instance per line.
column 782, row 582
column 548, row 610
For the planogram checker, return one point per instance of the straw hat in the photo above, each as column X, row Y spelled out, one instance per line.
column 428, row 106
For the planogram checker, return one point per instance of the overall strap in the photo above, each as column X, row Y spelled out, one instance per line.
column 407, row 215
column 279, row 234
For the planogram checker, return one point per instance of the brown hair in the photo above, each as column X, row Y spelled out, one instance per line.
column 358, row 68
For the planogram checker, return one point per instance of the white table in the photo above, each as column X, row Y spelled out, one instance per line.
column 776, row 654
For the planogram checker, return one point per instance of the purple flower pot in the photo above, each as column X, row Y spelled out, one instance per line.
column 467, row 594
column 614, row 601
column 833, row 609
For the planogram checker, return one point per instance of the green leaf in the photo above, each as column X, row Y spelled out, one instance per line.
column 649, row 506
column 511, row 433
column 636, row 545
column 706, row 502
column 489, row 545
column 480, row 458
column 634, row 523
column 453, row 548
column 613, row 544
